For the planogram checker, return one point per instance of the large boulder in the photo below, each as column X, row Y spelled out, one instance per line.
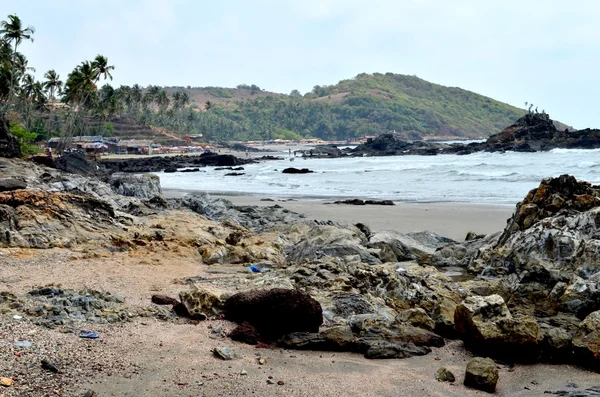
column 8, row 184
column 486, row 324
column 143, row 186
column 275, row 312
column 587, row 340
column 409, row 246
column 9, row 144
column 76, row 163
column 481, row 374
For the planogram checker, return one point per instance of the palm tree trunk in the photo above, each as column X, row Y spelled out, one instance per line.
column 12, row 76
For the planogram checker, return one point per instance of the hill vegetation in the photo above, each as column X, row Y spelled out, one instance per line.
column 369, row 104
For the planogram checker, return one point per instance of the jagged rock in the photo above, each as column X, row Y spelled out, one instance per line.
column 364, row 202
column 315, row 241
column 444, row 375
column 587, row 340
column 409, row 246
column 481, row 374
column 323, row 151
column 275, row 312
column 461, row 254
column 416, row 317
column 76, row 163
column 8, row 184
column 226, row 353
column 486, row 324
column 9, row 144
column 203, row 302
column 382, row 349
column 145, row 186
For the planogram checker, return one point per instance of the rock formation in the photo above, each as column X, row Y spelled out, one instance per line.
column 9, row 144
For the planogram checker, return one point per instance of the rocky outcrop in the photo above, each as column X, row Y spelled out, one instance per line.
column 408, row 246
column 364, row 202
column 323, row 151
column 9, row 144
column 8, row 184
column 392, row 145
column 146, row 186
column 275, row 312
column 76, row 163
column 201, row 303
column 587, row 340
column 160, row 163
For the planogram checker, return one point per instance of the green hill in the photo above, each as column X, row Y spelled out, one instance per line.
column 365, row 105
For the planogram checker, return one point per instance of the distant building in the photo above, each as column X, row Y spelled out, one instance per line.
column 136, row 146
column 88, row 143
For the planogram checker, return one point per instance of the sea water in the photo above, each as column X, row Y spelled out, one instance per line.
column 493, row 178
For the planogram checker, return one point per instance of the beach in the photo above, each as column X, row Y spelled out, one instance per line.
column 453, row 220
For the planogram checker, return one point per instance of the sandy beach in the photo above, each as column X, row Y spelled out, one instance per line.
column 453, row 220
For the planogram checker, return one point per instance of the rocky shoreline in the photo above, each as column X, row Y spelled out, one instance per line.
column 531, row 294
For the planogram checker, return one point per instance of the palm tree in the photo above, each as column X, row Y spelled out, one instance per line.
column 101, row 67
column 208, row 105
column 21, row 66
column 81, row 84
column 162, row 100
column 13, row 31
column 176, row 99
column 136, row 94
column 52, row 83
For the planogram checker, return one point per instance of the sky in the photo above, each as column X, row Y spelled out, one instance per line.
column 546, row 53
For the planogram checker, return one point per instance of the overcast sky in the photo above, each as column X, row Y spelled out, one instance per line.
column 545, row 52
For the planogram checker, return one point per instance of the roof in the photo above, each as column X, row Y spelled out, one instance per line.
column 85, row 138
column 136, row 142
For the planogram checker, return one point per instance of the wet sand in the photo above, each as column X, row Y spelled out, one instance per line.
column 452, row 220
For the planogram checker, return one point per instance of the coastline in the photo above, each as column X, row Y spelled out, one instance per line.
column 449, row 219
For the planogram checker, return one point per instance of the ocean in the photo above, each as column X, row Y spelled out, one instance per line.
column 486, row 178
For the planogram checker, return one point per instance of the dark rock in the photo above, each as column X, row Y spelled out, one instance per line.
column 170, row 170
column 323, row 151
column 48, row 366
column 297, row 171
column 245, row 333
column 349, row 304
column 365, row 229
column 190, row 170
column 235, row 174
column 481, row 374
column 172, row 163
column 229, row 168
column 365, row 202
column 8, row 184
column 9, row 144
column 143, row 186
column 382, row 349
column 339, row 338
column 164, row 300
column 444, row 375
column 76, row 163
column 275, row 312
column 43, row 160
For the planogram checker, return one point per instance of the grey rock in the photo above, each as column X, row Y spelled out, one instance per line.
column 225, row 353
column 444, row 375
column 481, row 374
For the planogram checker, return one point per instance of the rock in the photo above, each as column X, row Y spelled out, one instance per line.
column 8, row 184
column 587, row 341
column 280, row 382
column 293, row 170
column 48, row 366
column 337, row 338
column 225, row 353
column 9, row 144
column 481, row 374
column 473, row 236
column 202, row 302
column 486, row 324
column 365, row 202
column 409, row 246
column 392, row 145
column 43, row 160
column 323, row 151
column 164, row 300
column 417, row 317
column 145, row 186
column 76, row 163
column 235, row 174
column 381, row 349
column 245, row 333
column 275, row 312
column 444, row 375
column 6, row 382
column 172, row 163
column 90, row 393
column 170, row 170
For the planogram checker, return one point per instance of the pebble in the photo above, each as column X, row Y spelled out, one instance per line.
column 6, row 382
column 262, row 361
column 270, row 381
column 243, row 372
column 226, row 353
column 280, row 383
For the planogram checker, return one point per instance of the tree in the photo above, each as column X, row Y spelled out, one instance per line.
column 81, row 85
column 295, row 94
column 14, row 32
column 102, row 68
column 162, row 100
column 53, row 83
column 208, row 105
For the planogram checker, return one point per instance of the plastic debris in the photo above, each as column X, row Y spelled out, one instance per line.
column 88, row 334
column 254, row 269
column 17, row 317
column 23, row 343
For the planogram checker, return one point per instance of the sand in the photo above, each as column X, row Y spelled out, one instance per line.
column 452, row 220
